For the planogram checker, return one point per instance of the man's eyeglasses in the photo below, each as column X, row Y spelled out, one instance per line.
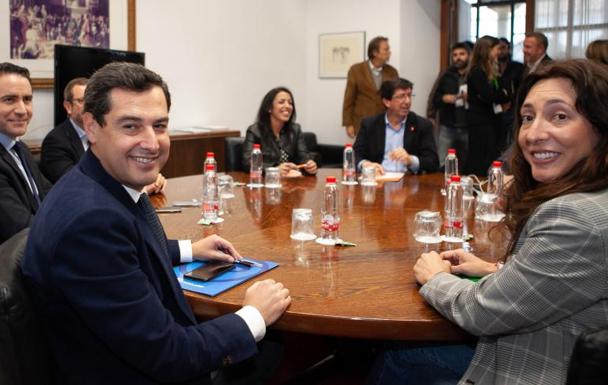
column 78, row 100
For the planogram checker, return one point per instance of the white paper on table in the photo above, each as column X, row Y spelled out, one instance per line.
column 390, row 177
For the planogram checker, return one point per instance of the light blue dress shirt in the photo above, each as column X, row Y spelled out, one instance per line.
column 82, row 135
column 393, row 141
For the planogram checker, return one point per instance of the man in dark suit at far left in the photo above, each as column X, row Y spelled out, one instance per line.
column 22, row 185
column 65, row 144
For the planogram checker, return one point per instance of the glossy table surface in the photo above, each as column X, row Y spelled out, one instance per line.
column 367, row 291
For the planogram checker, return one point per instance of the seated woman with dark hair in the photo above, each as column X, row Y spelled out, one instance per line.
column 279, row 135
column 552, row 287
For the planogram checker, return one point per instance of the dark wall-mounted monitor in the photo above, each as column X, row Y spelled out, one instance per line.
column 72, row 62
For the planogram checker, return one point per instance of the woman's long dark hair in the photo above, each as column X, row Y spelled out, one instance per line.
column 263, row 119
column 524, row 195
column 480, row 57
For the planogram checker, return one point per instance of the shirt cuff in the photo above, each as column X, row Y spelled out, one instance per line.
column 414, row 166
column 185, row 250
column 254, row 320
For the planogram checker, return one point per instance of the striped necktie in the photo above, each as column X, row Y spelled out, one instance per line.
column 152, row 219
column 18, row 148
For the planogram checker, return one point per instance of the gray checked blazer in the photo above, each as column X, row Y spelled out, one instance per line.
column 528, row 314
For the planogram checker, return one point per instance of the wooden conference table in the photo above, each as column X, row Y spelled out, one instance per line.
column 367, row 291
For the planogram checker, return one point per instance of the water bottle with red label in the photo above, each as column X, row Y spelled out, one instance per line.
column 330, row 219
column 454, row 224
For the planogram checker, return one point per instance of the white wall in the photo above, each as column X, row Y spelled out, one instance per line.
column 220, row 57
column 324, row 96
column 420, row 40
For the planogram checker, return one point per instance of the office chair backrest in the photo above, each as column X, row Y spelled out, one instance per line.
column 24, row 354
column 233, row 160
column 589, row 362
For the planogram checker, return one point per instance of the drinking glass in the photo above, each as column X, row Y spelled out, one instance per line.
column 368, row 176
column 427, row 227
column 273, row 177
column 301, row 225
column 468, row 197
column 486, row 208
column 225, row 186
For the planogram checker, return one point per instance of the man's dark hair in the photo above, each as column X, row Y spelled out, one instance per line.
column 125, row 76
column 389, row 87
column 540, row 37
column 68, row 95
column 10, row 68
column 505, row 40
column 374, row 46
column 462, row 45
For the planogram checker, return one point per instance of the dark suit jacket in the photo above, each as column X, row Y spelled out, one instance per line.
column 546, row 60
column 361, row 97
column 61, row 150
column 112, row 306
column 418, row 140
column 291, row 140
column 17, row 204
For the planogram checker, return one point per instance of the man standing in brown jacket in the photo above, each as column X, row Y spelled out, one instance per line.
column 361, row 97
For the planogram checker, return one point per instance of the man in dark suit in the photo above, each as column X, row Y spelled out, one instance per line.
column 361, row 97
column 535, row 52
column 22, row 186
column 65, row 144
column 398, row 140
column 99, row 266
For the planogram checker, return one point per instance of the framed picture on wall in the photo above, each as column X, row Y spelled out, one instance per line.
column 338, row 52
column 30, row 29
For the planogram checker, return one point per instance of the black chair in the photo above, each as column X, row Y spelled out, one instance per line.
column 24, row 354
column 233, row 160
column 326, row 155
column 589, row 362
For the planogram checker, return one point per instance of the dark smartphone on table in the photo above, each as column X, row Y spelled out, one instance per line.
column 210, row 270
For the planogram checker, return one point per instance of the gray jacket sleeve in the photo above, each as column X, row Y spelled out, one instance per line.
column 559, row 269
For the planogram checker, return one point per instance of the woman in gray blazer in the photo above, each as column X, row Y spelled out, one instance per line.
column 553, row 285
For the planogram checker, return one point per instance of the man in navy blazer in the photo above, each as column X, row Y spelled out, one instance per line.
column 99, row 267
column 397, row 140
column 22, row 186
column 65, row 144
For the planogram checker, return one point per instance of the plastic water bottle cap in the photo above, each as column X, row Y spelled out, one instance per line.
column 330, row 179
column 256, row 146
column 497, row 163
column 347, row 145
column 452, row 151
column 455, row 178
column 210, row 154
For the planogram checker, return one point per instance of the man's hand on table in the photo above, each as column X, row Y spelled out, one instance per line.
column 269, row 297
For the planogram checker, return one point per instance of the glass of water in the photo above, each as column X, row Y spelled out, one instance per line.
column 427, row 227
column 225, row 185
column 273, row 177
column 368, row 176
column 301, row 225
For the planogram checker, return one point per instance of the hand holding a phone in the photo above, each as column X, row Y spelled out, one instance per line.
column 214, row 248
column 269, row 297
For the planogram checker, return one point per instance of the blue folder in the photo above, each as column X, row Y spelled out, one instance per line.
column 222, row 282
